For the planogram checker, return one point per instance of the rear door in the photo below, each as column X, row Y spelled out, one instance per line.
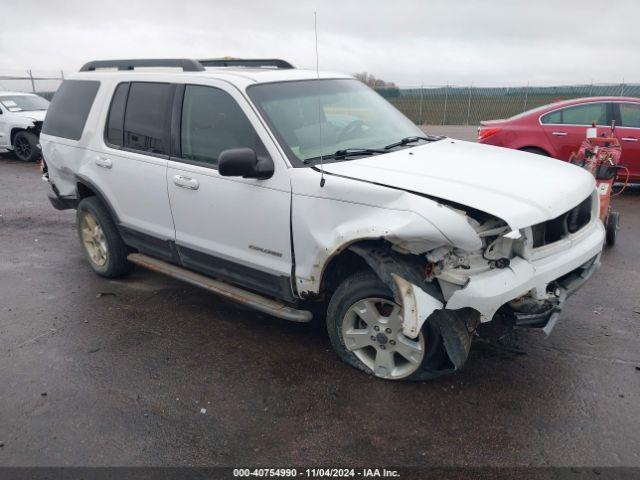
column 233, row 228
column 628, row 132
column 566, row 128
column 130, row 166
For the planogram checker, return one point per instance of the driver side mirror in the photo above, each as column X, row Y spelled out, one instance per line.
column 243, row 162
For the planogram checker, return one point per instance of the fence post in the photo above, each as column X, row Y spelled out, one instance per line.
column 420, row 121
column 526, row 97
column 33, row 84
column 446, row 98
column 468, row 106
column 622, row 88
column 591, row 89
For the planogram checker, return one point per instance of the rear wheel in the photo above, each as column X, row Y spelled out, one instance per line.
column 25, row 146
column 365, row 327
column 101, row 241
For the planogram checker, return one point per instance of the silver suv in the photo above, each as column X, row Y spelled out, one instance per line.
column 295, row 192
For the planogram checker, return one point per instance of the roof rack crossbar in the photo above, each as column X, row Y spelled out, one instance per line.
column 246, row 62
column 186, row 64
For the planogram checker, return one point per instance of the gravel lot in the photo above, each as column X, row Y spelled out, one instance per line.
column 149, row 371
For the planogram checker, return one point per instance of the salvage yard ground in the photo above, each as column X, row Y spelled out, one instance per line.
column 150, row 371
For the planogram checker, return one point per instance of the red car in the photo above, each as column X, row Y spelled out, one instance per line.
column 556, row 130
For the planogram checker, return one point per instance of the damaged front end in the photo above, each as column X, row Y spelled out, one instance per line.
column 422, row 301
column 455, row 290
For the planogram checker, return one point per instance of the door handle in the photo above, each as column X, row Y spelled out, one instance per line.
column 629, row 139
column 559, row 134
column 186, row 182
column 104, row 162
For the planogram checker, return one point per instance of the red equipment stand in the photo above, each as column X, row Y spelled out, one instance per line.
column 600, row 156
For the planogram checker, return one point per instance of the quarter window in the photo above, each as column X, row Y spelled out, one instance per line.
column 147, row 117
column 578, row 115
column 630, row 115
column 69, row 109
column 213, row 122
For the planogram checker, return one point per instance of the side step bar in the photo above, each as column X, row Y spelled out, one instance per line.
column 236, row 294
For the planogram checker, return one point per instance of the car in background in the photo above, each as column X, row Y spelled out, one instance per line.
column 556, row 130
column 21, row 117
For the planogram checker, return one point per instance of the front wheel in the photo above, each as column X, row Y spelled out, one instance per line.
column 365, row 328
column 25, row 146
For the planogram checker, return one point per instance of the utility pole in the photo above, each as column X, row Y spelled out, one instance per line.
column 446, row 97
column 420, row 121
column 33, row 84
column 469, row 106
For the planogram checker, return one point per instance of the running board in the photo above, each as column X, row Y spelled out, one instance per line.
column 236, row 294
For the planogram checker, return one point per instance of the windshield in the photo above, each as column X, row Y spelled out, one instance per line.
column 319, row 117
column 20, row 103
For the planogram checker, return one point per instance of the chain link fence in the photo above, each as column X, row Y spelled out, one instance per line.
column 455, row 105
column 425, row 105
column 44, row 82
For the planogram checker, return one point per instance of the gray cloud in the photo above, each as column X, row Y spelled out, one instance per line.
column 410, row 42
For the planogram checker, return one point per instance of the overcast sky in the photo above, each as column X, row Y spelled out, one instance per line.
column 489, row 42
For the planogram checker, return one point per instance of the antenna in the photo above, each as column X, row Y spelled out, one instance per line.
column 315, row 29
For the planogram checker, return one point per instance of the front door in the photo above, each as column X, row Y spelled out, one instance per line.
column 233, row 228
column 628, row 133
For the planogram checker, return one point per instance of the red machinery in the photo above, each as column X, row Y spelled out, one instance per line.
column 600, row 156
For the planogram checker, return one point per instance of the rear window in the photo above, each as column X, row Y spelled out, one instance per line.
column 70, row 108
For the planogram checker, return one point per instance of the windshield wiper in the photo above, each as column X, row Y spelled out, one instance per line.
column 408, row 140
column 346, row 152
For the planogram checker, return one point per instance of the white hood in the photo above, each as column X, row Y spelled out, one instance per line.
column 37, row 115
column 521, row 188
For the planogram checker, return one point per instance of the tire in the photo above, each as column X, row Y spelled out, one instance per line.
column 25, row 146
column 367, row 287
column 535, row 150
column 613, row 223
column 101, row 242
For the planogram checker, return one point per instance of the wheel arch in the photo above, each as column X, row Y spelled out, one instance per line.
column 86, row 188
column 342, row 263
column 529, row 148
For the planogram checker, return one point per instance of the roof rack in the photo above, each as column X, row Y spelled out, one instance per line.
column 186, row 64
column 246, row 62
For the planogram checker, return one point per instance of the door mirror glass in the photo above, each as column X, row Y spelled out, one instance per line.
column 243, row 162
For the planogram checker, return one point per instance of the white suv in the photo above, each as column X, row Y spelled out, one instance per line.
column 295, row 192
column 21, row 116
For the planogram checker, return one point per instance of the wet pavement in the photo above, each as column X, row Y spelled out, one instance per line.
column 149, row 371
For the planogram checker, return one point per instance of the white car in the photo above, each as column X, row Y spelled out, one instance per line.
column 21, row 117
column 295, row 192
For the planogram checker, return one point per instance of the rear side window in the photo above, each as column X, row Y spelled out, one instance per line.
column 115, row 121
column 630, row 115
column 147, row 117
column 70, row 108
column 578, row 115
column 212, row 122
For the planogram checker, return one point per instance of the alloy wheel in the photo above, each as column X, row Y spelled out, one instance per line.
column 372, row 331
column 93, row 239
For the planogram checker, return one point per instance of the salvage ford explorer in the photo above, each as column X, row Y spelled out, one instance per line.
column 306, row 194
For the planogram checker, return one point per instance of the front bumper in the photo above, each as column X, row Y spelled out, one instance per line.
column 573, row 261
